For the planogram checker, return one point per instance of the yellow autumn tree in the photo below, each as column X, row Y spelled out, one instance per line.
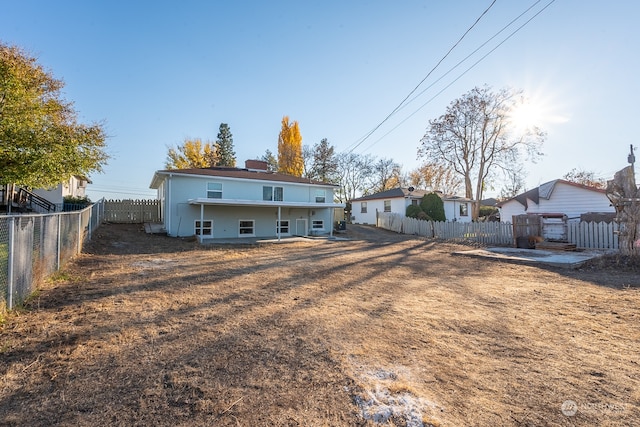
column 290, row 159
column 191, row 154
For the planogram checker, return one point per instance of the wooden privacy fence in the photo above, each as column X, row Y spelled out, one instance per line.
column 593, row 235
column 585, row 235
column 132, row 211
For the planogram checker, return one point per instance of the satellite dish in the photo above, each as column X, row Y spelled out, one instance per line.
column 411, row 189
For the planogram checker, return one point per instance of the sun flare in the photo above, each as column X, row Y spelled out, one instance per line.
column 527, row 115
column 531, row 113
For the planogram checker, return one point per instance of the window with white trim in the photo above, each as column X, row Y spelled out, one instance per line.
column 282, row 227
column 321, row 196
column 246, row 228
column 387, row 205
column 275, row 194
column 203, row 228
column 214, row 190
column 317, row 224
column 363, row 207
column 464, row 209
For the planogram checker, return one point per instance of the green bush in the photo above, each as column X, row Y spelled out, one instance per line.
column 487, row 211
column 433, row 206
column 413, row 211
column 77, row 200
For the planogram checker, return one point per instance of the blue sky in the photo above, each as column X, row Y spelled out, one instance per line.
column 157, row 72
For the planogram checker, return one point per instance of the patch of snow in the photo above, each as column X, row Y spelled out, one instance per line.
column 380, row 405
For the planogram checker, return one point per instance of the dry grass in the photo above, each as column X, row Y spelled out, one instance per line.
column 382, row 329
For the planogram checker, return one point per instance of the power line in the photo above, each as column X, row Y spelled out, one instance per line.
column 465, row 71
column 363, row 139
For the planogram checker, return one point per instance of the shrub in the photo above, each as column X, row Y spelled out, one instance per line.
column 487, row 211
column 433, row 206
column 413, row 211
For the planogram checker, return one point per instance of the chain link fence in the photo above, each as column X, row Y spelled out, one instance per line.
column 32, row 247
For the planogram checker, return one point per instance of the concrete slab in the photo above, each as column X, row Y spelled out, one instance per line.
column 154, row 228
column 254, row 240
column 533, row 256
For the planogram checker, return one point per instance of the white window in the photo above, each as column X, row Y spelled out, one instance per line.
column 464, row 209
column 321, row 196
column 246, row 228
column 282, row 227
column 214, row 190
column 204, row 228
column 387, row 205
column 414, row 202
column 272, row 193
column 363, row 207
column 317, row 224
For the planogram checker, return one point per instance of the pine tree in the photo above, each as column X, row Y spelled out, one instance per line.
column 272, row 162
column 325, row 163
column 290, row 148
column 224, row 147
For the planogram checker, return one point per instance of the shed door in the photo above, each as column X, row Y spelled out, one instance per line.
column 301, row 226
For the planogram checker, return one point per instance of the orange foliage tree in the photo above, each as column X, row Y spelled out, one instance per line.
column 290, row 148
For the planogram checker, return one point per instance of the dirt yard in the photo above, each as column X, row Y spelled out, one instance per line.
column 382, row 329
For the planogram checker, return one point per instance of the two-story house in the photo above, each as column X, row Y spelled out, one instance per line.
column 224, row 202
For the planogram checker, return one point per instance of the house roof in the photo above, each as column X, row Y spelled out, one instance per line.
column 545, row 190
column 393, row 193
column 238, row 173
column 401, row 192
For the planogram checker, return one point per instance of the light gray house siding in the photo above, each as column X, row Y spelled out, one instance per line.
column 209, row 204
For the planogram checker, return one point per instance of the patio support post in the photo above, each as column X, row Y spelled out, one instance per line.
column 279, row 213
column 201, row 237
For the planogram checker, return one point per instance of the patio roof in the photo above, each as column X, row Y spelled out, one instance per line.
column 263, row 203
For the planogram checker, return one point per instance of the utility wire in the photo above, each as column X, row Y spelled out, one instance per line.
column 462, row 74
column 363, row 139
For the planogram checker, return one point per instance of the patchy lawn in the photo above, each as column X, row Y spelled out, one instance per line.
column 379, row 330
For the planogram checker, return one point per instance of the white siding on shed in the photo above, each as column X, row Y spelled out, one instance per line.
column 571, row 200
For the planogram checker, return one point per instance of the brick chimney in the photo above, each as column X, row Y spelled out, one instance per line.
column 256, row 165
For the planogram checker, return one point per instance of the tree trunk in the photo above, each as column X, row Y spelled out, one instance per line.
column 625, row 197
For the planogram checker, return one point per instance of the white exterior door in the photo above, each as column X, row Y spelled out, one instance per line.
column 301, row 227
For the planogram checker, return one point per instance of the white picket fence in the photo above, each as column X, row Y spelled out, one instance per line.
column 585, row 235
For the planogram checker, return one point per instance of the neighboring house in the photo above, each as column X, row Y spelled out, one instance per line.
column 16, row 199
column 75, row 186
column 224, row 202
column 457, row 208
column 396, row 200
column 557, row 197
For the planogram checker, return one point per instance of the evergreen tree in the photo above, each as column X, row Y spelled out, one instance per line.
column 324, row 165
column 433, row 206
column 272, row 161
column 224, row 147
